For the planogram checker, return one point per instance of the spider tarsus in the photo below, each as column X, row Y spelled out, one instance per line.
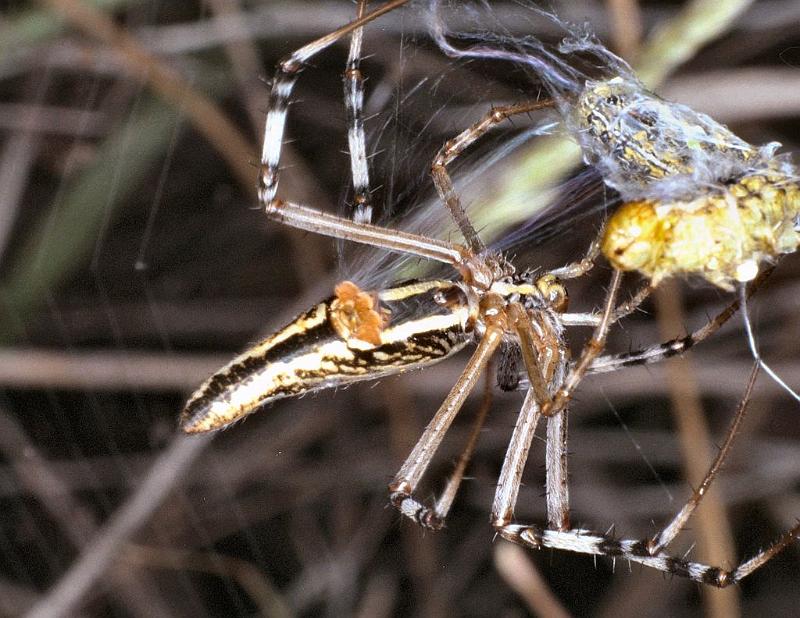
column 420, row 514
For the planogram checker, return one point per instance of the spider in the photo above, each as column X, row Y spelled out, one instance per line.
column 365, row 334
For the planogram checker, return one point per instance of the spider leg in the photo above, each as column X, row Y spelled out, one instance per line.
column 595, row 543
column 674, row 347
column 510, row 480
column 761, row 558
column 408, row 477
column 354, row 106
column 286, row 75
column 445, row 500
column 454, row 147
column 538, row 370
column 671, row 530
column 556, row 475
column 591, row 350
column 649, row 552
column 319, row 222
column 545, row 358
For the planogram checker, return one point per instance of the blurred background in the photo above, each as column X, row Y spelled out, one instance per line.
column 135, row 262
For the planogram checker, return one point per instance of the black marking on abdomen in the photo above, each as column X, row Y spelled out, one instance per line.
column 225, row 397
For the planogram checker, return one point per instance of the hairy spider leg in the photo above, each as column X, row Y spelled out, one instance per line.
column 354, row 108
column 408, row 477
column 545, row 372
column 661, row 540
column 434, row 517
column 649, row 552
column 453, row 148
column 283, row 83
column 590, row 352
column 445, row 500
column 675, row 347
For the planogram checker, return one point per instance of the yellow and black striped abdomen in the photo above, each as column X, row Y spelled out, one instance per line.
column 352, row 336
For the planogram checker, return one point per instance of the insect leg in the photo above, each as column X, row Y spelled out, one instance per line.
column 582, row 266
column 622, row 310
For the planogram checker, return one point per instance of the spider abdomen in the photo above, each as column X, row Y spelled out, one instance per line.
column 352, row 336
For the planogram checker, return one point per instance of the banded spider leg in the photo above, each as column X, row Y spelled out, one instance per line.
column 354, row 106
column 283, row 83
column 678, row 346
column 649, row 552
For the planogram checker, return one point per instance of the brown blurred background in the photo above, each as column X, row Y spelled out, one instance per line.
column 135, row 261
